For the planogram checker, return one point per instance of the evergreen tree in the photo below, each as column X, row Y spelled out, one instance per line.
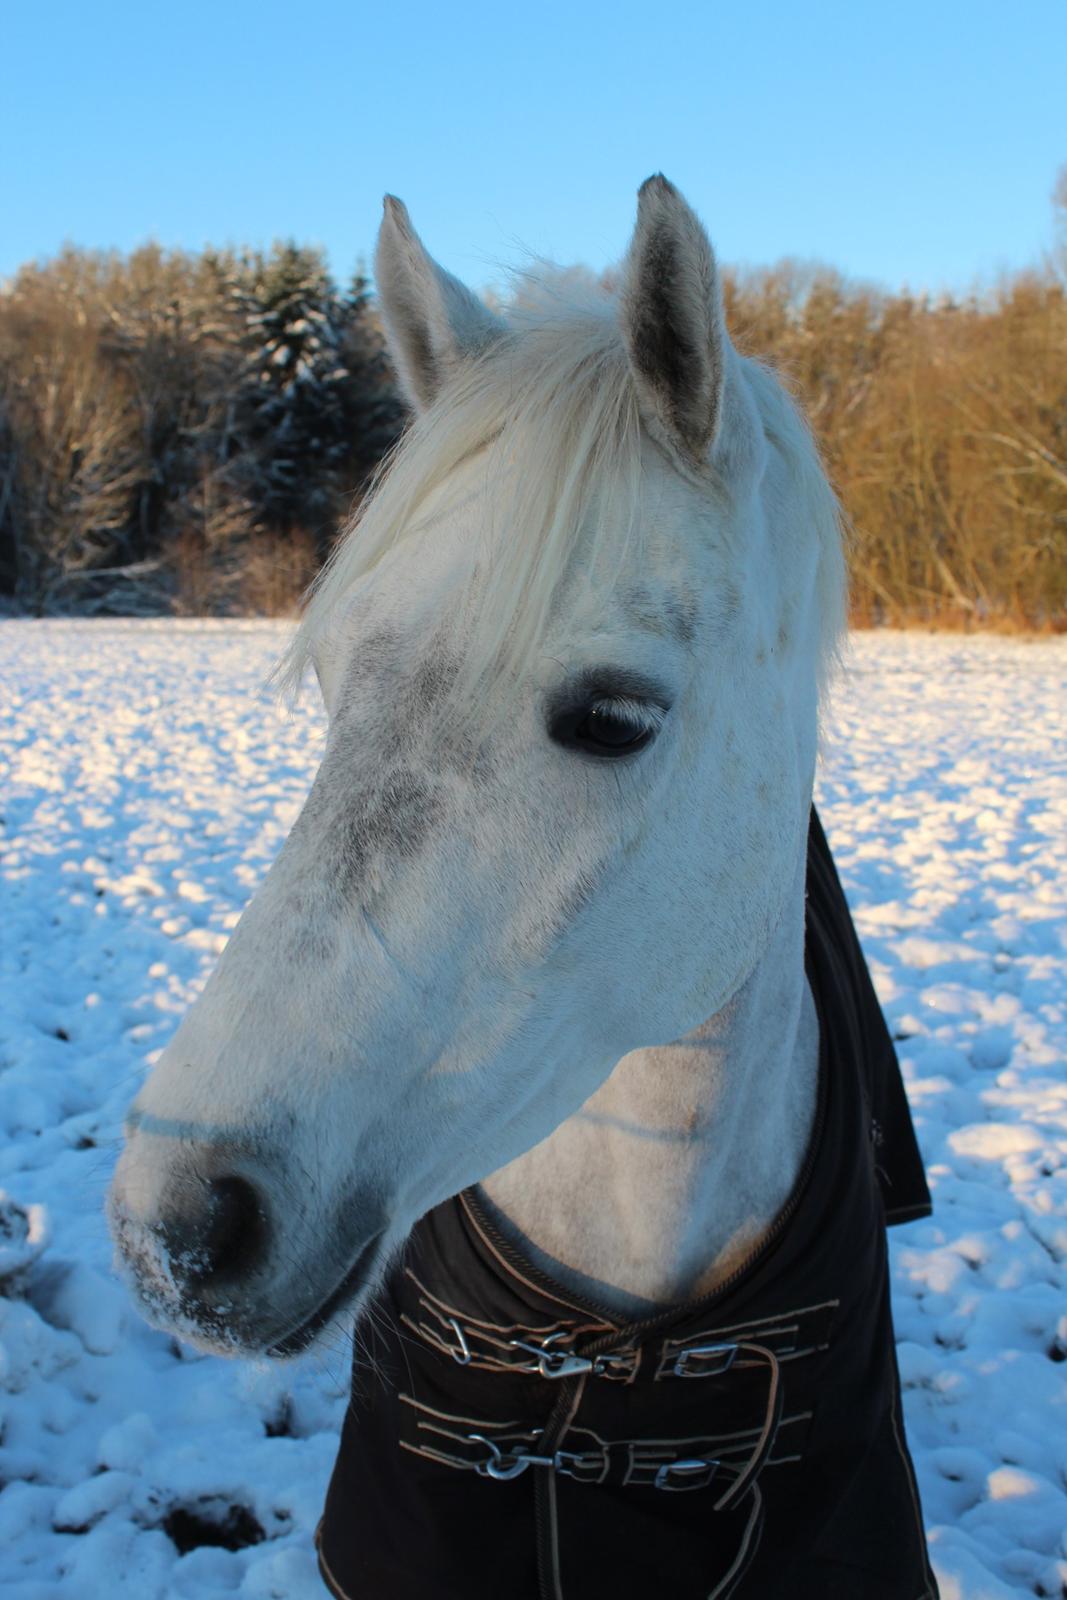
column 375, row 412
column 295, row 387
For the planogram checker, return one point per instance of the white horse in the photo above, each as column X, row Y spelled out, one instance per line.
column 541, row 927
column 540, row 924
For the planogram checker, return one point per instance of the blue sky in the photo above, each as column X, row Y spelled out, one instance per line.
column 911, row 143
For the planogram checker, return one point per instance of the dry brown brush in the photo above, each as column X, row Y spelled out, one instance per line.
column 944, row 427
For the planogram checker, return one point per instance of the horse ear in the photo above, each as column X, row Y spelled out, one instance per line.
column 431, row 320
column 672, row 321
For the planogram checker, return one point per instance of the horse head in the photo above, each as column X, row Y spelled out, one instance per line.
column 570, row 654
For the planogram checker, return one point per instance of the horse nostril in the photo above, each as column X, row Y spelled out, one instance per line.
column 223, row 1237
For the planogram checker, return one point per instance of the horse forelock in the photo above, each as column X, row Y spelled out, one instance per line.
column 553, row 411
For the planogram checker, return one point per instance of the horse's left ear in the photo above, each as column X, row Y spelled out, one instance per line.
column 672, row 321
column 432, row 321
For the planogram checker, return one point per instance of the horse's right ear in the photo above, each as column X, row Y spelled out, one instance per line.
column 433, row 323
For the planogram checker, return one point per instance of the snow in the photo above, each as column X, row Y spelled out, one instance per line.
column 148, row 779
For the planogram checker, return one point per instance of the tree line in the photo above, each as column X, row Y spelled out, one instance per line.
column 943, row 424
column 185, row 432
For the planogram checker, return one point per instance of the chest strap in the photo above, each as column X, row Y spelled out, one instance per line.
column 575, row 1349
column 562, row 1348
column 504, row 1450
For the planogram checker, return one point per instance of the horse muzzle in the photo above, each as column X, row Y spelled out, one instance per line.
column 211, row 1254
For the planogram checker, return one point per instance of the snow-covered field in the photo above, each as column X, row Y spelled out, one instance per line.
column 147, row 779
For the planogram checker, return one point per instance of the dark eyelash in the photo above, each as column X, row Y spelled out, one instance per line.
column 646, row 715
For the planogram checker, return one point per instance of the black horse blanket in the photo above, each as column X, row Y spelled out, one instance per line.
column 507, row 1440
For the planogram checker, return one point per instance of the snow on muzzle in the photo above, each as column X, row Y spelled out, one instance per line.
column 219, row 1248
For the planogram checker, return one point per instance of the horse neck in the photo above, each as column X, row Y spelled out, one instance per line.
column 673, row 1171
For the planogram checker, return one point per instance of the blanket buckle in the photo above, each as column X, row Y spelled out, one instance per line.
column 727, row 1353
column 695, row 1473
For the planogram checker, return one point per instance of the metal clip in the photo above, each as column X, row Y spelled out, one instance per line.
column 553, row 1363
column 696, row 1473
column 728, row 1352
column 463, row 1354
column 564, row 1363
column 503, row 1465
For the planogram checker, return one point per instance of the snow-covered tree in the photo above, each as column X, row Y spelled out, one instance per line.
column 295, row 386
column 375, row 412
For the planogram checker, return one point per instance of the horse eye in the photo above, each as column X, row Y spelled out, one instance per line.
column 602, row 730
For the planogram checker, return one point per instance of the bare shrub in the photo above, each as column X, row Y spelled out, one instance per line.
column 277, row 570
column 944, row 425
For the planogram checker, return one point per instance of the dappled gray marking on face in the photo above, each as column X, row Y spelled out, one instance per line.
column 682, row 612
column 431, row 680
column 391, row 710
column 391, row 820
column 375, row 653
column 365, row 812
column 402, row 696
column 726, row 603
column 373, row 680
column 388, row 779
column 424, row 706
column 674, row 614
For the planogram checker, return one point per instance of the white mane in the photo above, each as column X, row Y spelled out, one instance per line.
column 554, row 408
